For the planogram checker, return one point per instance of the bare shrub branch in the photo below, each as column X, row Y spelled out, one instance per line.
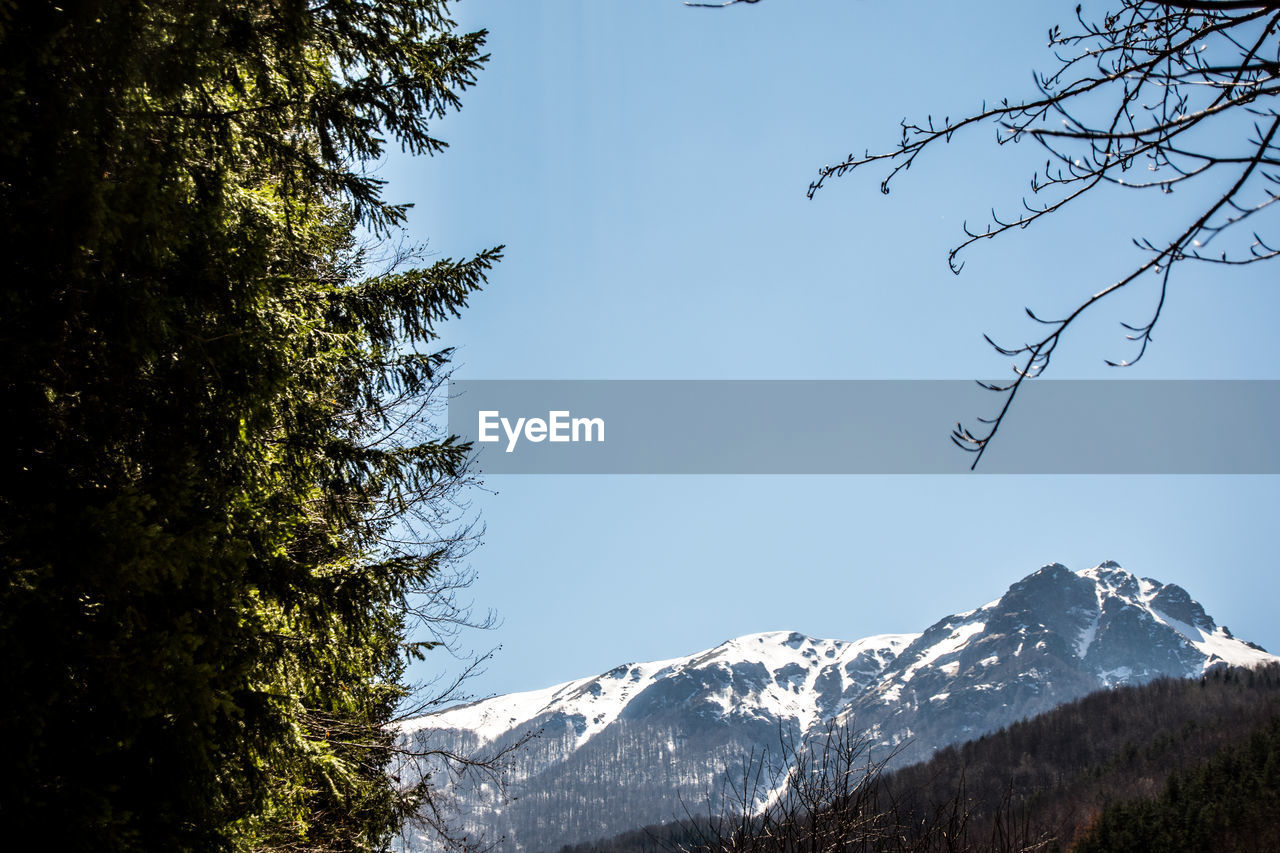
column 1147, row 97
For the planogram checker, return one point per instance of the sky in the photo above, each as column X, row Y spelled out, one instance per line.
column 645, row 165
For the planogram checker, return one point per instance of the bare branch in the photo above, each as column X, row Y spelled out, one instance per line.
column 1167, row 86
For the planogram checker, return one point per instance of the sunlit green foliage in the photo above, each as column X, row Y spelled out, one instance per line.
column 210, row 413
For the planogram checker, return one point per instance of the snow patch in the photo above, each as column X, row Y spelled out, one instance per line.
column 1088, row 634
column 1217, row 645
column 953, row 643
column 1112, row 677
column 1147, row 589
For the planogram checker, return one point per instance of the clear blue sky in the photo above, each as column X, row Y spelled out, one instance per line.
column 646, row 166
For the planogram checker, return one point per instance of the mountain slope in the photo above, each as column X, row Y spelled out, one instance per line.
column 784, row 674
column 634, row 745
column 1053, row 636
column 1100, row 760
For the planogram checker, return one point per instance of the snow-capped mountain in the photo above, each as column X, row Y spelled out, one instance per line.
column 1053, row 636
column 640, row 743
column 784, row 675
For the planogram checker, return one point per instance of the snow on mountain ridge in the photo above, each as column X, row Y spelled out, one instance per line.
column 1214, row 642
column 619, row 749
column 606, row 695
column 794, row 662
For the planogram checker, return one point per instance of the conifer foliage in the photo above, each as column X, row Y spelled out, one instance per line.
column 217, row 494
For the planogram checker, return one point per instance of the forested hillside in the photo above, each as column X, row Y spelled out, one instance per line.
column 1091, row 766
column 1057, row 770
column 1229, row 803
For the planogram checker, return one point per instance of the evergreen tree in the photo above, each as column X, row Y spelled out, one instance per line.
column 210, row 412
column 1228, row 803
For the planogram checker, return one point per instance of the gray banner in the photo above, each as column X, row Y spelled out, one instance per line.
column 865, row 426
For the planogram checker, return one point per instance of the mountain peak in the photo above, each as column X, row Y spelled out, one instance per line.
column 1108, row 571
column 660, row 729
